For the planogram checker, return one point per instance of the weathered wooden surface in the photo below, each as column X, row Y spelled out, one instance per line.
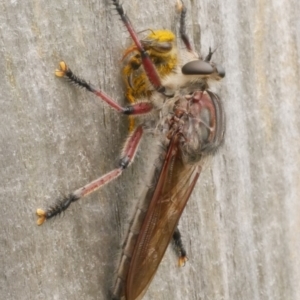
column 241, row 226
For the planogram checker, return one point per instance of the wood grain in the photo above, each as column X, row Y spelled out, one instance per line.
column 241, row 226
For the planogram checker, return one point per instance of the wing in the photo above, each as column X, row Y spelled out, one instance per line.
column 175, row 184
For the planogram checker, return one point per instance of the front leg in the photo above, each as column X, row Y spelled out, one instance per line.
column 182, row 29
column 148, row 65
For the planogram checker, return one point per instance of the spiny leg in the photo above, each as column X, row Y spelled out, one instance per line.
column 134, row 109
column 179, row 248
column 127, row 157
column 148, row 65
column 182, row 29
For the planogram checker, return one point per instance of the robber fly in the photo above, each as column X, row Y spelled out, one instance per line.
column 171, row 88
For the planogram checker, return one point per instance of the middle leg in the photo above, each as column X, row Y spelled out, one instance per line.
column 134, row 109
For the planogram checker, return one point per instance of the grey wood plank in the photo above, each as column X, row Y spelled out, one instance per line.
column 241, row 226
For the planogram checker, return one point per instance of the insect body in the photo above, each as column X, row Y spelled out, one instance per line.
column 189, row 121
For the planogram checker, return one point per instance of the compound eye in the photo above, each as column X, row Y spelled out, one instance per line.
column 197, row 67
column 221, row 71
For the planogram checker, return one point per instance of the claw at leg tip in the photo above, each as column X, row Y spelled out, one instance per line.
column 41, row 216
column 179, row 6
column 61, row 72
column 63, row 65
column 182, row 260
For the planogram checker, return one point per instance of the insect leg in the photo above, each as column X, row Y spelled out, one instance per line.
column 134, row 109
column 182, row 29
column 209, row 55
column 127, row 157
column 179, row 248
column 148, row 65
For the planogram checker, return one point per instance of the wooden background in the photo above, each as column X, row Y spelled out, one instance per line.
column 241, row 226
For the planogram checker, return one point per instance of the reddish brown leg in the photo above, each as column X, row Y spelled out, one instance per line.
column 182, row 29
column 128, row 155
column 134, row 109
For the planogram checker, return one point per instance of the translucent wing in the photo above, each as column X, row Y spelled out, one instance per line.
column 175, row 184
